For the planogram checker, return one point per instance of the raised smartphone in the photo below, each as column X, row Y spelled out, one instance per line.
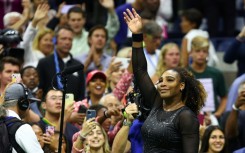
column 201, row 118
column 50, row 130
column 16, row 78
column 90, row 114
column 69, row 99
column 125, row 61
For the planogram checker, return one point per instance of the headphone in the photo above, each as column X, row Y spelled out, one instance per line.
column 23, row 102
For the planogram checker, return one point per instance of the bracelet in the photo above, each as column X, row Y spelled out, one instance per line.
column 137, row 37
column 125, row 123
column 83, row 138
column 105, row 114
column 235, row 108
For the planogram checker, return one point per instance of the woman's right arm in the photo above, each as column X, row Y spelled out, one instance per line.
column 142, row 78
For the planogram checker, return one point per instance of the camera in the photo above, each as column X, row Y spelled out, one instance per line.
column 9, row 39
column 135, row 97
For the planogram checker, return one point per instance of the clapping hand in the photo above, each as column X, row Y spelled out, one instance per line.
column 133, row 21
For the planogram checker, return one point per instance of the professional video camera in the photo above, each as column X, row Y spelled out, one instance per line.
column 9, row 39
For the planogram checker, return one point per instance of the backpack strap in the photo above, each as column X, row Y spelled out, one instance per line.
column 13, row 125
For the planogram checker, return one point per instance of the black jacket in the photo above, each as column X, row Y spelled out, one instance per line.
column 75, row 81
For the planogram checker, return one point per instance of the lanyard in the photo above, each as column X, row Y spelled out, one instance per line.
column 149, row 59
column 57, row 69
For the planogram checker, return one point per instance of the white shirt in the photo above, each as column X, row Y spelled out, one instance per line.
column 80, row 44
column 152, row 60
column 26, row 137
column 213, row 58
column 31, row 57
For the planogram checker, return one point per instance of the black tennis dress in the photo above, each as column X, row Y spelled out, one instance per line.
column 163, row 131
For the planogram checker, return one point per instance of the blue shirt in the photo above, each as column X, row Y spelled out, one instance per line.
column 104, row 61
column 240, row 151
column 233, row 93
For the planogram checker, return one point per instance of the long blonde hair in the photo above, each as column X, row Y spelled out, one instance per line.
column 106, row 147
column 38, row 37
column 161, row 65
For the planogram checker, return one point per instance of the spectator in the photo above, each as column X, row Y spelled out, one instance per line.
column 13, row 6
column 76, row 18
column 213, row 140
column 123, row 32
column 91, row 138
column 211, row 78
column 60, row 59
column 112, row 103
column 30, row 79
column 233, row 94
column 8, row 66
column 234, row 128
column 191, row 20
column 96, row 58
column 42, row 45
column 235, row 52
column 43, row 138
column 121, row 142
column 152, row 40
column 168, row 58
column 16, row 104
column 30, row 57
column 95, row 87
column 96, row 83
column 52, row 107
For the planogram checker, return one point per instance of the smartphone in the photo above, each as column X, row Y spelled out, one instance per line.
column 49, row 130
column 69, row 99
column 82, row 109
column 90, row 114
column 16, row 78
column 66, row 8
column 125, row 61
column 201, row 118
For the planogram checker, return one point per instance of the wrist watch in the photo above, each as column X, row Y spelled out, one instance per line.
column 126, row 123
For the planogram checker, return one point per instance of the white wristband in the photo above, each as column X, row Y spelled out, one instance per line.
column 235, row 108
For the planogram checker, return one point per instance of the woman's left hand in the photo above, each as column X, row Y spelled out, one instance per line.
column 133, row 21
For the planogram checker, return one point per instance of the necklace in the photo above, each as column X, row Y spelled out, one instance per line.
column 176, row 106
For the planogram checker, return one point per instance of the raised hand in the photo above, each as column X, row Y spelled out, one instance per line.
column 133, row 21
column 88, row 126
column 41, row 13
column 113, row 112
column 108, row 4
column 58, row 14
column 130, row 110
